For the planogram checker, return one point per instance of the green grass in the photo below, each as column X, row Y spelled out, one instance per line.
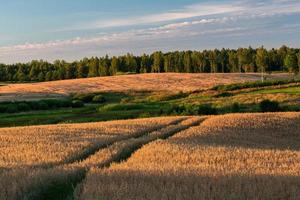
column 289, row 90
column 253, row 84
column 132, row 105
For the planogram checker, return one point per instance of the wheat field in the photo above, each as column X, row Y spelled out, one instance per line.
column 54, row 144
column 234, row 156
column 34, row 158
column 174, row 82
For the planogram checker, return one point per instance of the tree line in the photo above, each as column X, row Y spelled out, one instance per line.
column 240, row 60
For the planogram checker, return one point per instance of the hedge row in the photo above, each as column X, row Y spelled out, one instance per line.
column 14, row 107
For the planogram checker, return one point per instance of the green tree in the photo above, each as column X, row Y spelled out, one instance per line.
column 131, row 64
column 282, row 52
column 22, row 73
column 82, row 70
column 115, row 65
column 157, row 62
column 48, row 76
column 224, row 60
column 34, row 70
column 41, row 77
column 233, row 62
column 104, row 66
column 245, row 59
column 93, row 67
column 214, row 58
column 70, row 71
column 145, row 64
column 262, row 61
column 298, row 59
column 290, row 62
column 187, row 62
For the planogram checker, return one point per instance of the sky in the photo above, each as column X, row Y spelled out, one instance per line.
column 73, row 29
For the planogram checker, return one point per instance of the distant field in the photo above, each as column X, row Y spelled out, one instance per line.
column 234, row 156
column 173, row 82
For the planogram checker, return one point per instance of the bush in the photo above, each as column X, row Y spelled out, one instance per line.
column 11, row 108
column 23, row 107
column 122, row 107
column 206, row 109
column 223, row 94
column 86, row 98
column 50, row 103
column 57, row 103
column 235, row 107
column 77, row 104
column 269, row 106
column 98, row 99
column 40, row 105
column 3, row 108
column 64, row 103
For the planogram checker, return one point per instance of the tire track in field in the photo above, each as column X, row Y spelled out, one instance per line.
column 63, row 189
column 134, row 145
column 97, row 147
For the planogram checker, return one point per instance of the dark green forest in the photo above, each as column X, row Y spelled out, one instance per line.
column 240, row 60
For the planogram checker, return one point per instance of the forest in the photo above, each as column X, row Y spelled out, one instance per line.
column 241, row 60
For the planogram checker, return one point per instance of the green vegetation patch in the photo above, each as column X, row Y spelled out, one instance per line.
column 130, row 105
column 289, row 90
column 255, row 84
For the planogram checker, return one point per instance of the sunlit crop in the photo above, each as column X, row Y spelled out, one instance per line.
column 242, row 156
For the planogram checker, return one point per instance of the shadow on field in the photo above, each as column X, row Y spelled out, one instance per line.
column 252, row 141
column 270, row 134
column 182, row 185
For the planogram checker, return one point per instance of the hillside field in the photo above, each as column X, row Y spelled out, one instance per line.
column 233, row 156
column 171, row 82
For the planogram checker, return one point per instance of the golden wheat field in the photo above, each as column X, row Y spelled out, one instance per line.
column 54, row 144
column 33, row 159
column 234, row 156
column 174, row 82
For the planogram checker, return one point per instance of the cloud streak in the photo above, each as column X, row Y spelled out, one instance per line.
column 204, row 10
column 194, row 21
column 191, row 11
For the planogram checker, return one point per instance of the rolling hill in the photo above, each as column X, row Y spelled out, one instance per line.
column 173, row 82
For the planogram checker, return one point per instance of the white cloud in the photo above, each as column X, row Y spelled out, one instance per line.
column 196, row 10
column 254, row 8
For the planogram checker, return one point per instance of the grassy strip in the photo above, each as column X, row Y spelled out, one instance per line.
column 289, row 90
column 256, row 84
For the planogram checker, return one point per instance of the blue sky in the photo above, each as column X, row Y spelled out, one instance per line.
column 73, row 29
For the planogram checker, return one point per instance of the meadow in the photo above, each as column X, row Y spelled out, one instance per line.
column 233, row 156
